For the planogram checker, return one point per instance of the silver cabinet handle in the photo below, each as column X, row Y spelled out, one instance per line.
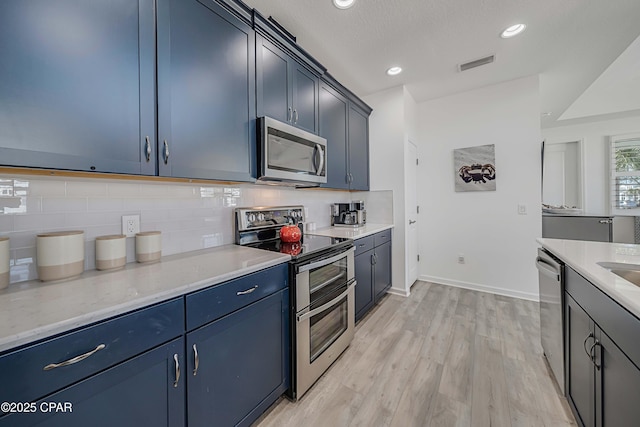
column 411, row 222
column 375, row 258
column 147, row 148
column 361, row 245
column 166, row 152
column 295, row 115
column 196, row 360
column 248, row 291
column 373, row 261
column 75, row 359
column 290, row 115
column 175, row 358
column 605, row 221
column 592, row 354
column 584, row 344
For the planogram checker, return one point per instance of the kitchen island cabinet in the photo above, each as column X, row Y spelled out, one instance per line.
column 603, row 355
column 76, row 102
column 206, row 92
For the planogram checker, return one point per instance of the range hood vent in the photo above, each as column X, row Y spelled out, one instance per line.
column 477, row 63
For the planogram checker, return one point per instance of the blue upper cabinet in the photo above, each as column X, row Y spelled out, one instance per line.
column 333, row 111
column 286, row 90
column 206, row 92
column 358, row 148
column 77, row 85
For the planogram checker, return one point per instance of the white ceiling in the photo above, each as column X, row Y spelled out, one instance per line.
column 569, row 43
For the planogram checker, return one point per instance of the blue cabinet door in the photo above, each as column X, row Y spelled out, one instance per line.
column 206, row 92
column 382, row 270
column 305, row 98
column 139, row 392
column 333, row 109
column 77, row 85
column 272, row 82
column 286, row 90
column 363, row 265
column 358, row 149
column 238, row 366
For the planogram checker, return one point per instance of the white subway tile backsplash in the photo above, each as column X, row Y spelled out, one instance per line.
column 190, row 216
column 39, row 222
column 64, row 204
column 50, row 187
column 86, row 188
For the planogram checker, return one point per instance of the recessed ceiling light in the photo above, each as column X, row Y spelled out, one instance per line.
column 394, row 71
column 513, row 30
column 343, row 4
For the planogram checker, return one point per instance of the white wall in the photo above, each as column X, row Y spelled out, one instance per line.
column 498, row 244
column 595, row 137
column 386, row 162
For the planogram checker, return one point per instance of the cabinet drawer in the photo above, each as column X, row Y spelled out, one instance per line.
column 619, row 324
column 212, row 303
column 363, row 245
column 382, row 237
column 22, row 371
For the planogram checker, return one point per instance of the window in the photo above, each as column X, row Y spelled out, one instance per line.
column 625, row 174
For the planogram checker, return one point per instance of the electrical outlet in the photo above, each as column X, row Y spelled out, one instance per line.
column 522, row 209
column 130, row 225
column 460, row 258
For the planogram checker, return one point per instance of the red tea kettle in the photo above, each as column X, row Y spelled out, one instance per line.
column 290, row 233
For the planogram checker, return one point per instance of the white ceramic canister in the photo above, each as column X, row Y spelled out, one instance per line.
column 4, row 262
column 60, row 255
column 111, row 252
column 148, row 246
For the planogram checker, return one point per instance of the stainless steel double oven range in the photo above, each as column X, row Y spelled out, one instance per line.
column 321, row 282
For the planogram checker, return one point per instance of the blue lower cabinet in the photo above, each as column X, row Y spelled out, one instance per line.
column 237, row 366
column 142, row 391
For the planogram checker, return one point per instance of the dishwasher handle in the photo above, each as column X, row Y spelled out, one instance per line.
column 547, row 269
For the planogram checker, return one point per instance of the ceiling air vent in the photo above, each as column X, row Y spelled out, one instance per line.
column 477, row 63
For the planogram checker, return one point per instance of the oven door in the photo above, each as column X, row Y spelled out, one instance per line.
column 323, row 331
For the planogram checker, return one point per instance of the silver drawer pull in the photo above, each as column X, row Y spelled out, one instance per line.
column 148, row 148
column 196, row 360
column 248, row 291
column 175, row 383
column 74, row 360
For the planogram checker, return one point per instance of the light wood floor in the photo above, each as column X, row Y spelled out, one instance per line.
column 442, row 357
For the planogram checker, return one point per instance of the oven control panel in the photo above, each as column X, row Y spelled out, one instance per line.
column 253, row 218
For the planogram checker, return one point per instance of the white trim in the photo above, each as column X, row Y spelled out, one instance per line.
column 582, row 158
column 397, row 291
column 481, row 288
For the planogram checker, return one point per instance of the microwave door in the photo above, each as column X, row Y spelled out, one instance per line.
column 290, row 156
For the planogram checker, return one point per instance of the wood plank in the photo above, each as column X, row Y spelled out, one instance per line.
column 418, row 399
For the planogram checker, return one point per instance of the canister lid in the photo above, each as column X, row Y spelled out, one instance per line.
column 111, row 237
column 61, row 233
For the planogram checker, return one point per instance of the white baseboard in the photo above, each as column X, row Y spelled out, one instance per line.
column 481, row 288
column 396, row 291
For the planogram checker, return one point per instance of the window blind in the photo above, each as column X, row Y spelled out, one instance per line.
column 625, row 173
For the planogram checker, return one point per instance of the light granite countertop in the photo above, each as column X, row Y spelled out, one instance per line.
column 583, row 257
column 352, row 232
column 35, row 310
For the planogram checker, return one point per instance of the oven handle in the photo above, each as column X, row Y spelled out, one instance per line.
column 323, row 307
column 325, row 261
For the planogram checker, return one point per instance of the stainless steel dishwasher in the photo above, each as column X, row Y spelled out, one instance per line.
column 551, row 283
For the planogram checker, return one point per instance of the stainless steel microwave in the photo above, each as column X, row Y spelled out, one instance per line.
column 290, row 155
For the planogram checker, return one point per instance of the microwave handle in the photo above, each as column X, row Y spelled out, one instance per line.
column 318, row 151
